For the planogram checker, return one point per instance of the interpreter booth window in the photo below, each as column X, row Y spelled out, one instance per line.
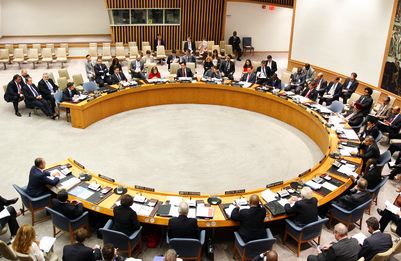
column 138, row 16
column 152, row 16
column 155, row 16
column 120, row 16
column 172, row 16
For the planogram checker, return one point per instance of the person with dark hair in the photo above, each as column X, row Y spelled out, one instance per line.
column 33, row 99
column 109, row 253
column 311, row 92
column 189, row 45
column 247, row 64
column 78, row 251
column 383, row 109
column 365, row 101
column 297, row 81
column 184, row 71
column 213, row 73
column 378, row 242
column 14, row 93
column 309, row 73
column 188, row 57
column 71, row 210
column 125, row 218
column 159, row 41
column 118, row 76
column 11, row 219
column 392, row 124
column 154, row 73
column 47, row 88
column 115, row 63
column 249, row 76
column 356, row 198
column 321, row 84
column 270, row 255
column 89, row 68
column 368, row 151
column 373, row 175
column 371, row 129
column 274, row 81
column 138, row 68
column 349, row 87
column 262, row 73
column 172, row 58
column 39, row 178
column 355, row 117
column 332, row 92
column 227, row 68
column 69, row 92
column 235, row 42
column 271, row 64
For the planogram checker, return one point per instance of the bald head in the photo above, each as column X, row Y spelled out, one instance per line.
column 340, row 230
column 24, row 72
column 320, row 75
column 271, row 255
column 254, row 200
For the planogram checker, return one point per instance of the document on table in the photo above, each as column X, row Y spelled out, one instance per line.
column 205, row 212
column 57, row 172
column 229, row 210
column 283, row 201
column 46, row 243
column 350, row 134
column 173, row 211
column 139, row 198
column 145, row 211
column 136, row 207
column 68, row 184
column 321, row 108
column 348, row 151
column 268, row 195
column 302, row 99
column 360, row 237
column 81, row 192
column 191, row 203
column 192, row 213
column 245, row 84
column 313, row 185
column 174, row 200
column 241, row 201
column 329, row 186
column 4, row 213
column 348, row 171
column 391, row 207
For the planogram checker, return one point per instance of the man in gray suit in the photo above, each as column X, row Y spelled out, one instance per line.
column 344, row 249
column 89, row 68
column 138, row 68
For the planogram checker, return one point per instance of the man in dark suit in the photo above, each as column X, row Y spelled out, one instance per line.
column 368, row 151
column 101, row 73
column 321, row 84
column 355, row 199
column 69, row 92
column 184, row 71
column 33, row 99
column 137, row 68
column 172, row 58
column 39, row 179
column 386, row 217
column 392, row 124
column 125, row 218
column 109, row 253
column 188, row 57
column 182, row 226
column 349, row 87
column 189, row 45
column 365, row 101
column 262, row 73
column 355, row 116
column 61, row 205
column 303, row 211
column 274, row 81
column 11, row 219
column 118, row 76
column 213, row 73
column 249, row 76
column 235, row 42
column 371, row 129
column 271, row 64
column 373, row 175
column 251, row 220
column 47, row 88
column 158, row 42
column 332, row 92
column 378, row 242
column 297, row 81
column 78, row 251
column 311, row 92
column 227, row 68
column 24, row 76
column 344, row 249
column 14, row 93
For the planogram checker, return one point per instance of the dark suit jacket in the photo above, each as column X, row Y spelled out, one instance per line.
column 373, row 176
column 267, row 70
column 69, row 210
column 378, row 242
column 29, row 96
column 67, row 96
column 155, row 43
column 44, row 90
column 113, row 67
column 274, row 83
column 346, row 249
column 11, row 91
column 192, row 45
column 252, row 225
column 298, row 79
column 125, row 220
column 323, row 85
column 224, row 68
column 273, row 68
column 337, row 91
column 37, row 182
column 171, row 58
column 5, row 202
column 211, row 74
column 188, row 72
column 100, row 70
column 372, row 152
column 80, row 252
column 356, row 119
column 353, row 86
column 252, row 78
column 353, row 200
column 303, row 211
column 313, row 95
column 365, row 101
column 115, row 80
column 183, row 227
column 396, row 124
column 374, row 132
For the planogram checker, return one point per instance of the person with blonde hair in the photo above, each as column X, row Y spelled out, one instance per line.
column 171, row 255
column 25, row 242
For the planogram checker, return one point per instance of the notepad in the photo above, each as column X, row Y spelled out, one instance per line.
column 192, row 213
column 46, row 243
column 139, row 198
column 204, row 212
column 229, row 210
column 391, row 207
column 329, row 186
column 313, row 185
column 268, row 195
column 4, row 213
column 360, row 237
column 68, row 184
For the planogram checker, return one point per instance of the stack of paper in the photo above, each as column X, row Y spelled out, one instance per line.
column 46, row 243
column 229, row 210
column 68, row 184
column 283, row 201
column 81, row 192
column 313, row 185
column 329, row 186
column 173, row 211
column 136, row 207
column 360, row 237
column 145, row 211
column 350, row 134
column 174, row 200
column 391, row 207
column 139, row 198
column 4, row 213
column 241, row 201
column 204, row 212
column 191, row 203
column 192, row 213
column 348, row 151
column 347, row 170
column 57, row 172
column 268, row 195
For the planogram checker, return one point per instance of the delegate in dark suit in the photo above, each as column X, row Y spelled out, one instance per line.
column 157, row 43
column 332, row 92
column 369, row 152
column 188, row 72
column 248, row 77
column 71, row 211
column 303, row 211
column 310, row 93
column 393, row 126
column 11, row 220
column 365, row 102
column 118, row 78
column 137, row 68
column 68, row 94
column 264, row 72
column 353, row 200
column 321, row 86
column 251, row 220
column 14, row 94
column 378, row 242
column 125, row 220
column 46, row 88
column 346, row 249
column 227, row 68
column 373, row 175
column 274, row 82
column 31, row 94
column 349, row 88
column 101, row 74
column 373, row 131
column 38, row 181
column 355, row 118
column 186, row 46
column 80, row 252
column 273, row 67
column 183, row 227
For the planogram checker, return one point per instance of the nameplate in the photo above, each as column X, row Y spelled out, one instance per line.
column 189, row 193
column 106, row 178
column 274, row 184
column 144, row 188
column 79, row 164
column 233, row 192
column 303, row 173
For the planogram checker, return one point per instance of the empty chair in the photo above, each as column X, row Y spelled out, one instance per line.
column 210, row 45
column 336, row 107
column 145, row 44
column 228, row 49
column 305, row 233
column 247, row 44
column 93, row 51
column 4, row 57
column 384, row 158
column 33, row 57
column 10, row 48
column 249, row 250
column 119, row 44
column 173, row 68
column 106, row 53
column 216, row 47
column 160, row 52
column 106, row 45
column 222, row 45
column 24, row 47
column 121, row 240
column 146, row 48
column 38, row 47
column 120, row 53
column 78, row 81
column 133, row 52
column 348, row 217
column 7, row 252
column 47, row 56
column 33, row 204
column 192, row 67
column 19, row 56
column 65, row 46
column 131, row 44
column 89, row 86
column 63, row 73
column 256, row 64
column 62, row 83
column 61, row 56
column 51, row 46
column 285, row 78
column 188, row 248
column 375, row 191
column 92, row 45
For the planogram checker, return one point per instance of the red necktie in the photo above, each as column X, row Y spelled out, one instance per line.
column 307, row 95
column 247, row 78
column 185, row 72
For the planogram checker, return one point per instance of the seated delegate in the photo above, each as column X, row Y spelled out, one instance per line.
column 125, row 218
column 303, row 211
column 39, row 179
column 182, row 226
column 71, row 210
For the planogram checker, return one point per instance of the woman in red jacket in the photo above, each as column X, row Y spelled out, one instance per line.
column 154, row 73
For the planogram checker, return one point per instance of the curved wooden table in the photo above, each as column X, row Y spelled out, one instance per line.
column 311, row 123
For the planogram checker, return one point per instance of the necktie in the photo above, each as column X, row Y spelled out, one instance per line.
column 119, row 78
column 19, row 88
column 228, row 66
column 50, row 87
column 307, row 95
column 35, row 93
column 264, row 71
column 247, row 78
column 185, row 72
column 395, row 117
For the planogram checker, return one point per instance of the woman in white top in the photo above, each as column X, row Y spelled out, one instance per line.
column 25, row 242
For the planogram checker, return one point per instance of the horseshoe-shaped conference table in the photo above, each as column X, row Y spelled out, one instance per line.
column 301, row 117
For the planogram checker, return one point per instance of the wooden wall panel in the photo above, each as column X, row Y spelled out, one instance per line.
column 198, row 18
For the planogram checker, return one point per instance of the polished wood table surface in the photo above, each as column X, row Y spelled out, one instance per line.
column 310, row 122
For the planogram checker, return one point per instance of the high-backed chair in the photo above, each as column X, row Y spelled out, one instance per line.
column 24, row 48
column 118, row 44
column 121, row 240
column 33, row 57
column 120, row 53
column 256, row 64
column 7, row 252
column 90, row 86
column 229, row 49
column 107, row 45
column 93, row 45
column 106, row 53
column 38, row 47
column 63, row 73
column 47, row 56
column 384, row 158
column 222, row 45
column 248, row 251
column 3, row 230
column 384, row 256
column 51, row 46
column 379, row 137
column 65, row 46
column 93, row 51
column 285, row 78
column 375, row 96
column 375, row 191
column 146, row 48
column 145, row 44
column 4, row 57
column 132, row 44
column 133, row 52
column 10, row 48
column 33, row 204
column 61, row 55
column 19, row 56
column 23, row 257
column 304, row 234
column 355, row 96
column 62, row 83
column 348, row 217
column 188, row 248
column 336, row 107
column 78, row 81
column 63, row 223
column 210, row 45
column 148, row 67
column 192, row 67
column 247, row 44
column 216, row 47
column 160, row 52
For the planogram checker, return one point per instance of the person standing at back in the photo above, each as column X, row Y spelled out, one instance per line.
column 235, row 42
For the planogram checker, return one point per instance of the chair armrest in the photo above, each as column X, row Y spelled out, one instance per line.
column 269, row 233
column 239, row 239
column 341, row 209
column 293, row 226
column 80, row 217
column 109, row 224
column 202, row 237
column 167, row 238
column 39, row 198
column 135, row 234
column 395, row 141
